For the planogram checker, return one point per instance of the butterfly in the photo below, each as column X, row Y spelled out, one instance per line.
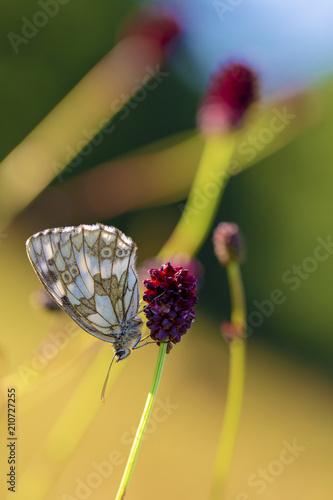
column 89, row 271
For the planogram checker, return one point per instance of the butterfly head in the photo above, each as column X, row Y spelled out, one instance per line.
column 122, row 354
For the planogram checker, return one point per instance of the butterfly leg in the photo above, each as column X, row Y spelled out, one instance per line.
column 136, row 346
column 144, row 338
column 146, row 343
column 137, row 341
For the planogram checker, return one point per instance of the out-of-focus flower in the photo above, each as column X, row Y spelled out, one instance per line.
column 170, row 297
column 40, row 299
column 230, row 331
column 231, row 92
column 155, row 24
column 228, row 243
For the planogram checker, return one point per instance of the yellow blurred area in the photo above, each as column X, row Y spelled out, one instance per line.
column 71, row 125
column 159, row 173
column 284, row 444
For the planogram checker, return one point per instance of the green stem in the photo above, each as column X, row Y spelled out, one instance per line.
column 235, row 387
column 231, row 419
column 187, row 237
column 238, row 306
column 143, row 423
column 204, row 198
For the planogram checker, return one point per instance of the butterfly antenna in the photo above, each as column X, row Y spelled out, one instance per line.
column 106, row 380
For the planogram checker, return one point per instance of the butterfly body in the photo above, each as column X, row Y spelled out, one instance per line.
column 89, row 271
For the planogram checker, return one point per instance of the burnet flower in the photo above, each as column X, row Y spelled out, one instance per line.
column 229, row 95
column 156, row 25
column 193, row 265
column 228, row 243
column 231, row 331
column 170, row 297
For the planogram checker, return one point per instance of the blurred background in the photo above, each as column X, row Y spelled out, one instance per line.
column 137, row 178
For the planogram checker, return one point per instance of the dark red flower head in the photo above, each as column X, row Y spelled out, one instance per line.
column 170, row 297
column 231, row 91
column 155, row 24
column 228, row 243
column 193, row 266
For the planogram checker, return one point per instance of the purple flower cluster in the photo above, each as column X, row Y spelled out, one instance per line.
column 170, row 297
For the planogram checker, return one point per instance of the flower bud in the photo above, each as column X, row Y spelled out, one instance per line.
column 231, row 92
column 228, row 243
column 40, row 299
column 230, row 331
column 156, row 24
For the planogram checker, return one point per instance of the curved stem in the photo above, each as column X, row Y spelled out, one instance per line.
column 231, row 419
column 204, row 198
column 235, row 387
column 143, row 423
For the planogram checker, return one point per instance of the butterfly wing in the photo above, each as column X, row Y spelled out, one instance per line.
column 90, row 273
